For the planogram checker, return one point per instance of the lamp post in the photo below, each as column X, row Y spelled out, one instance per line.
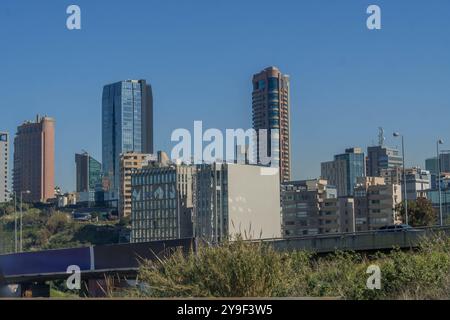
column 21, row 218
column 15, row 218
column 396, row 135
column 440, row 141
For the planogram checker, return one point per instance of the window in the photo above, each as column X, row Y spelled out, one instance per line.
column 273, row 84
column 260, row 85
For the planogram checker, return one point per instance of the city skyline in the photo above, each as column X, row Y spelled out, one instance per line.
column 338, row 99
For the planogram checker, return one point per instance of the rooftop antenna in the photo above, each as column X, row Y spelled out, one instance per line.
column 381, row 137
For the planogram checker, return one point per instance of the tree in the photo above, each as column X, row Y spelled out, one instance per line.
column 420, row 212
column 57, row 222
column 6, row 209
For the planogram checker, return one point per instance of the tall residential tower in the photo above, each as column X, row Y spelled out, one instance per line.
column 34, row 160
column 271, row 108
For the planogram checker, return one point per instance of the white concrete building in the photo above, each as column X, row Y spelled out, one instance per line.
column 233, row 199
column 418, row 182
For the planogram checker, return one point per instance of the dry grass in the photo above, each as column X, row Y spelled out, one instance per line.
column 243, row 269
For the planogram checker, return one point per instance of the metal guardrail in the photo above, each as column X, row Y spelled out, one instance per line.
column 331, row 235
column 358, row 241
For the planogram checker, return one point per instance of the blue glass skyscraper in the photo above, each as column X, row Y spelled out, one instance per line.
column 127, row 125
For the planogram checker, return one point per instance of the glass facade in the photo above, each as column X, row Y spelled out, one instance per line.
column 355, row 167
column 94, row 173
column 88, row 173
column 126, row 126
column 161, row 203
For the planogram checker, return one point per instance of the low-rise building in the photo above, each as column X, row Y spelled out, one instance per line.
column 376, row 203
column 310, row 207
column 67, row 199
column 444, row 199
column 418, row 182
column 347, row 217
column 392, row 175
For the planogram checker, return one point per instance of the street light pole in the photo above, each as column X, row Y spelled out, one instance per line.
column 21, row 218
column 396, row 134
column 21, row 223
column 15, row 221
column 441, row 222
column 14, row 194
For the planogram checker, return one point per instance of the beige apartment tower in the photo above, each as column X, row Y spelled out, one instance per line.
column 270, row 111
column 34, row 160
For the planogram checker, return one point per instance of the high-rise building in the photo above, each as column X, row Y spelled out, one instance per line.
column 236, row 199
column 4, row 157
column 34, row 160
column 161, row 202
column 271, row 109
column 379, row 158
column 88, row 172
column 129, row 163
column 127, row 125
column 343, row 171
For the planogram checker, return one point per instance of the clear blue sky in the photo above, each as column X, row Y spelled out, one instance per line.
column 200, row 55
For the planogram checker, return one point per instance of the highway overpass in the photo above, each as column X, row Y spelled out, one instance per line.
column 123, row 260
